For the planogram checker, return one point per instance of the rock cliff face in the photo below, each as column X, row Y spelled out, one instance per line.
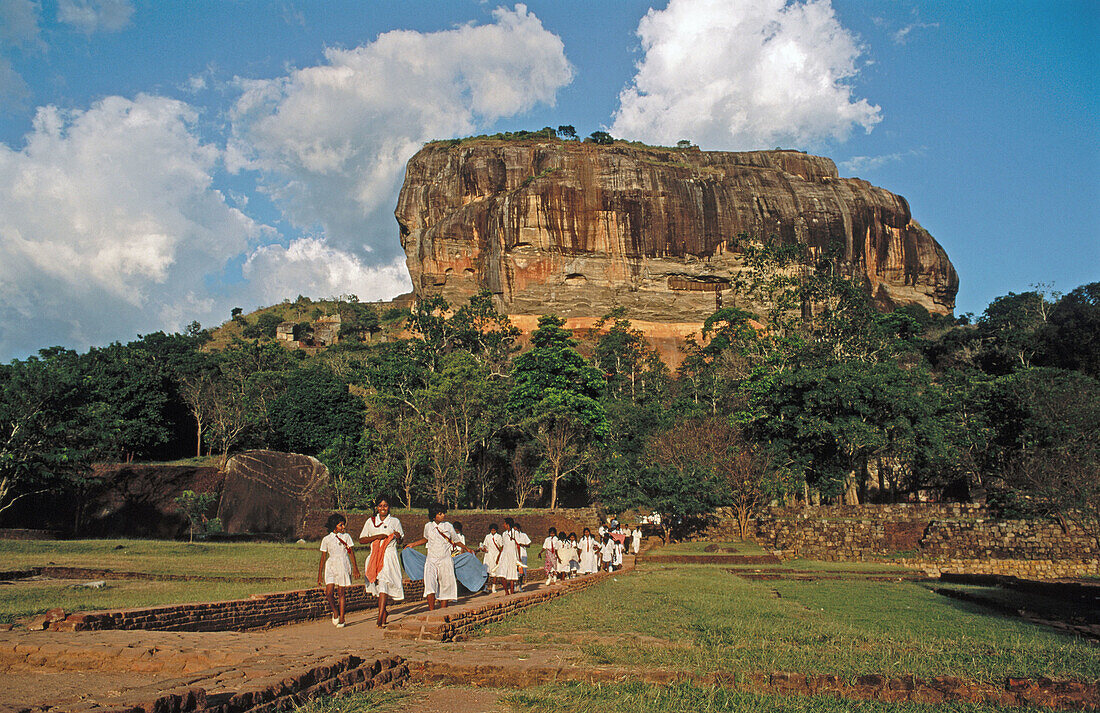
column 577, row 229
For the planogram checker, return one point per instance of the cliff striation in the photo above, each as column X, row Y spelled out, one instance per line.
column 577, row 229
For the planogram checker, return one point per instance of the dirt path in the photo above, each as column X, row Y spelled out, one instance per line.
column 112, row 668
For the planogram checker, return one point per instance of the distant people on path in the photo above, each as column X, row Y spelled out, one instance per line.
column 523, row 541
column 589, row 552
column 337, row 566
column 439, row 568
column 382, row 571
column 491, row 547
column 550, row 555
column 636, row 539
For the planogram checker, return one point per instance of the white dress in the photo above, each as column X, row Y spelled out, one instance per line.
column 636, row 539
column 439, row 568
column 508, row 565
column 524, row 542
column 491, row 543
column 389, row 577
column 590, row 555
column 566, row 553
column 338, row 564
column 607, row 551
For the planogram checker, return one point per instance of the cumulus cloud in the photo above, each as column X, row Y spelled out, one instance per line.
column 95, row 15
column 109, row 224
column 332, row 140
column 313, row 267
column 744, row 75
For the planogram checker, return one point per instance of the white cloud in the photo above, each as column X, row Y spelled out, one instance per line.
column 95, row 15
column 310, row 266
column 857, row 164
column 109, row 225
column 744, row 75
column 332, row 140
column 902, row 36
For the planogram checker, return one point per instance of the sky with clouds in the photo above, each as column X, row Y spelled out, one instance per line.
column 164, row 162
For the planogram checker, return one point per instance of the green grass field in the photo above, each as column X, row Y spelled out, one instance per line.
column 643, row 698
column 701, row 618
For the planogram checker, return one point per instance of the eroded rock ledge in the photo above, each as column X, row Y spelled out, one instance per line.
column 577, row 229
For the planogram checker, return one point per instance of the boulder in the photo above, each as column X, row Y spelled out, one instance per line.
column 268, row 492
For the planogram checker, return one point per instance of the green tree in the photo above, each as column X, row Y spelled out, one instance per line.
column 567, row 131
column 314, row 409
column 601, row 138
column 195, row 507
column 554, row 395
column 47, row 431
column 1071, row 337
column 264, row 326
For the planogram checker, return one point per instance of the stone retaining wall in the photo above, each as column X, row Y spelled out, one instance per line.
column 260, row 610
column 954, row 537
column 443, row 626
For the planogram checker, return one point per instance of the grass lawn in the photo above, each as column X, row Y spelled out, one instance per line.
column 736, row 547
column 701, row 618
column 642, row 698
column 224, row 559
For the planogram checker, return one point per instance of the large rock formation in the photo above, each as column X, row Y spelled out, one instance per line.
column 577, row 229
column 269, row 492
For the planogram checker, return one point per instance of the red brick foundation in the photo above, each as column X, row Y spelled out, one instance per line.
column 257, row 612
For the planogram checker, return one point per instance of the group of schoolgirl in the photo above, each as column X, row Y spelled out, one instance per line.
column 382, row 571
column 566, row 556
column 505, row 556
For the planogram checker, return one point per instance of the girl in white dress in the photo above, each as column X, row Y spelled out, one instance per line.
column 590, row 553
column 508, row 562
column 636, row 539
column 550, row 555
column 565, row 555
column 439, row 569
column 337, row 565
column 491, row 547
column 384, row 531
column 523, row 541
column 607, row 553
column 575, row 555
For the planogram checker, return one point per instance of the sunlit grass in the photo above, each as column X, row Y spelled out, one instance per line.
column 701, row 618
column 685, row 698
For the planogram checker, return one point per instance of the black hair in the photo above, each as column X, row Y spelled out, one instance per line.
column 493, row 526
column 379, row 499
column 333, row 520
column 573, row 535
column 553, row 531
column 510, row 522
column 434, row 509
column 589, row 531
column 457, row 526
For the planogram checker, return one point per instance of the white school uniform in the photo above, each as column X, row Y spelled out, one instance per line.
column 636, row 540
column 607, row 552
column 566, row 554
column 590, row 555
column 389, row 577
column 508, row 565
column 439, row 568
column 617, row 555
column 523, row 541
column 338, row 564
column 491, row 543
column 459, row 539
column 574, row 557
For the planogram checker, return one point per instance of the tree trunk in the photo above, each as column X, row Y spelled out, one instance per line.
column 198, row 438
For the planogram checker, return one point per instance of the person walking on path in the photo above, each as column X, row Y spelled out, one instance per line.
column 508, row 561
column 337, row 565
column 491, row 547
column 550, row 554
column 523, row 541
column 383, row 532
column 589, row 552
column 636, row 539
column 439, row 568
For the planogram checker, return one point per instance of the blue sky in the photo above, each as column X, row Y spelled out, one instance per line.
column 162, row 162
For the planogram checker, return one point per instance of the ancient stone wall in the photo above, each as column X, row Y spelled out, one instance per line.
column 935, row 537
column 260, row 610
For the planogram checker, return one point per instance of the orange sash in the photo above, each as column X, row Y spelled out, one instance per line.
column 377, row 557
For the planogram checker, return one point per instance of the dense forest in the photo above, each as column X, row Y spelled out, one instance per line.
column 812, row 396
